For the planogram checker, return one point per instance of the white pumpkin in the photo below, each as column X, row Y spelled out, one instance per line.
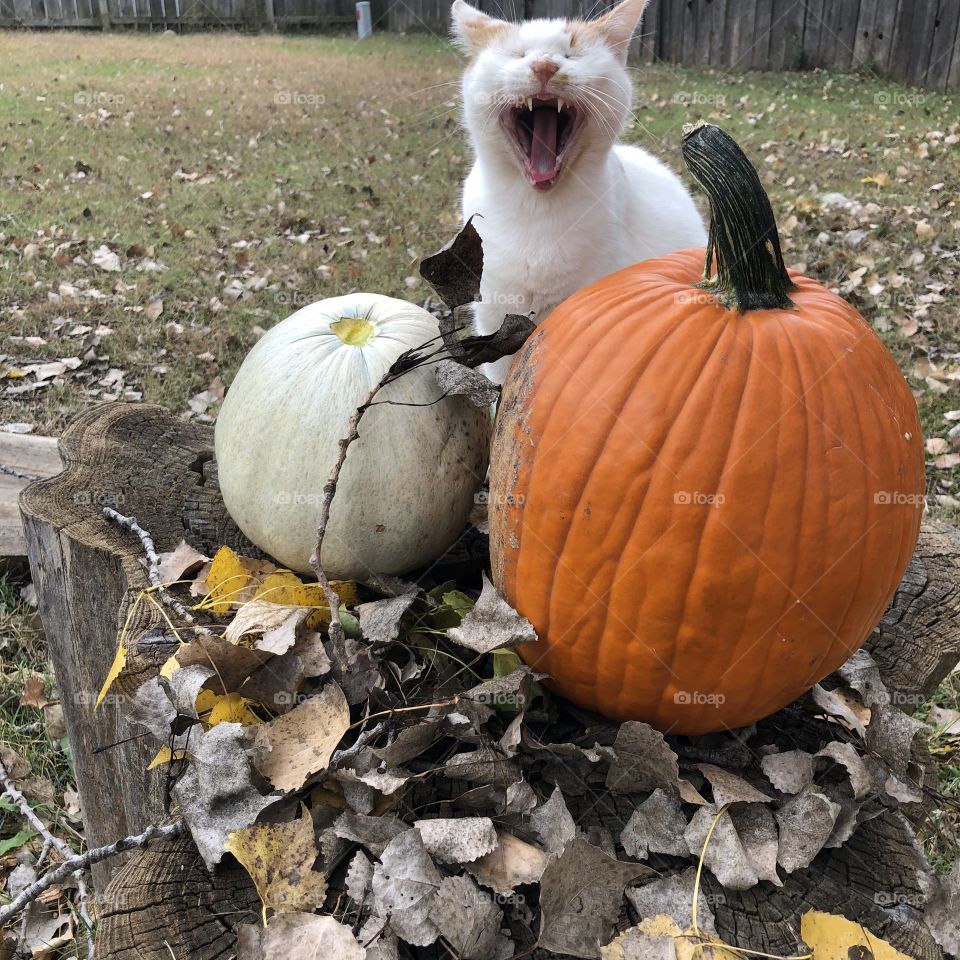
column 408, row 483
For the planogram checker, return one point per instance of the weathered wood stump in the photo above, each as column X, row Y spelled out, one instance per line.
column 148, row 464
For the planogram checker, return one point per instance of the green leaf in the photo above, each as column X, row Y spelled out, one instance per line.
column 16, row 841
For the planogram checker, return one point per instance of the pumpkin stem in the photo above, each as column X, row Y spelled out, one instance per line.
column 743, row 237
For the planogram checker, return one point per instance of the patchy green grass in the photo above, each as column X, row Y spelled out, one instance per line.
column 166, row 198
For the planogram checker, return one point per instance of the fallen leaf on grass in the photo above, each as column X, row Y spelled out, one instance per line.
column 33, row 694
column 293, row 747
column 279, row 858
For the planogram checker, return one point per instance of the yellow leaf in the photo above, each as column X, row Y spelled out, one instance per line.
column 170, row 667
column 226, row 580
column 231, row 708
column 880, row 179
column 119, row 662
column 836, row 938
column 287, row 588
column 279, row 858
column 166, row 755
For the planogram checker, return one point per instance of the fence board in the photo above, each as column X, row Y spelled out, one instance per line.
column 946, row 44
column 916, row 41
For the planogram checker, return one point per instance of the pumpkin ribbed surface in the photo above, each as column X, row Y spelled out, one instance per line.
column 702, row 512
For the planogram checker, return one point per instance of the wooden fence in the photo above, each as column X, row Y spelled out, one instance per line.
column 915, row 41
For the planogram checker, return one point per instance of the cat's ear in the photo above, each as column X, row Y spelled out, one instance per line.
column 472, row 29
column 618, row 25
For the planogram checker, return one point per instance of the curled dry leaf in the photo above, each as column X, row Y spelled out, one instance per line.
column 454, row 379
column 293, row 747
column 455, row 271
column 216, row 793
column 279, row 858
column 790, row 771
column 373, row 832
column 469, row 920
column 458, row 839
column 512, row 863
column 491, row 624
column 380, row 619
column 405, row 884
column 177, row 563
column 298, row 936
column 673, row 896
column 729, row 788
column 581, row 895
column 725, row 857
column 656, row 826
column 806, row 822
column 553, row 824
column 644, row 762
column 359, row 877
column 277, row 625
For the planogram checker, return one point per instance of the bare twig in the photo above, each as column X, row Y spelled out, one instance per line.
column 153, row 569
column 336, row 632
column 19, row 474
column 49, row 840
column 83, row 860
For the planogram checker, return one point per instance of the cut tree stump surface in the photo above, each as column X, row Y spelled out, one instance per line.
column 34, row 457
column 146, row 463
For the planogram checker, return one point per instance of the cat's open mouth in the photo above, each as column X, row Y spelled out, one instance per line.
column 542, row 131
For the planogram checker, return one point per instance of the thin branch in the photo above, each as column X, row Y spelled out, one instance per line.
column 49, row 840
column 336, row 632
column 84, row 860
column 153, row 569
column 19, row 474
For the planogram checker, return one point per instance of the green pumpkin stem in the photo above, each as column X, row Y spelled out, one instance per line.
column 743, row 237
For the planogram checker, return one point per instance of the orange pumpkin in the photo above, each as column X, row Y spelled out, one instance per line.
column 703, row 495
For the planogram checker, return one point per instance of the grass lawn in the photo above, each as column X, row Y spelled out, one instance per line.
column 164, row 199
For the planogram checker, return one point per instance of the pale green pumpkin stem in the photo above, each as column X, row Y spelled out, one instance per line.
column 743, row 238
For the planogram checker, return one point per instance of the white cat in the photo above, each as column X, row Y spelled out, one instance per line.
column 561, row 203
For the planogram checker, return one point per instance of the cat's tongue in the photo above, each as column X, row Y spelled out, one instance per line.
column 543, row 147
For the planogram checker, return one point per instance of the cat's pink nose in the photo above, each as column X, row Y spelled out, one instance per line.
column 543, row 70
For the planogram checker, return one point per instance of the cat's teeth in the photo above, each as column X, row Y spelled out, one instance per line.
column 530, row 104
column 559, row 105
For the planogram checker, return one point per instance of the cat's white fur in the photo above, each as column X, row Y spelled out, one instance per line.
column 611, row 205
